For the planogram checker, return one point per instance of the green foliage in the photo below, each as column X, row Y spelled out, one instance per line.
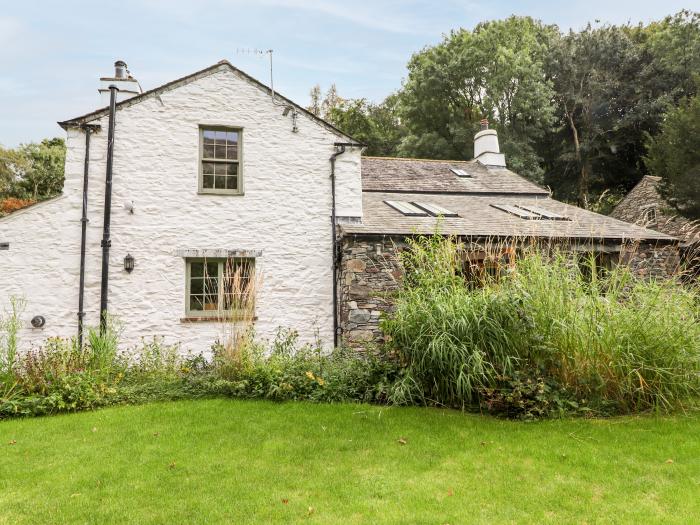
column 612, row 342
column 33, row 170
column 494, row 71
column 287, row 371
column 675, row 157
column 573, row 110
column 61, row 377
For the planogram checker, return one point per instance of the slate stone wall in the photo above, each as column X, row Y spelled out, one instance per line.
column 371, row 274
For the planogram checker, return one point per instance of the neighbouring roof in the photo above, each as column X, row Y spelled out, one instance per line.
column 488, row 201
column 221, row 65
column 644, row 196
column 434, row 176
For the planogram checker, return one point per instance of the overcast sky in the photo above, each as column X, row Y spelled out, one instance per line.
column 52, row 53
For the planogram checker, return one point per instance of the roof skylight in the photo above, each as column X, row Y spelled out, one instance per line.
column 530, row 212
column 407, row 208
column 546, row 214
column 459, row 172
column 434, row 209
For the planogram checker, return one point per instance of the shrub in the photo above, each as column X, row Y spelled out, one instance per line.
column 11, row 204
column 621, row 344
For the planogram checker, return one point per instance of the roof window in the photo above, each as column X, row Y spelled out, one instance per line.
column 434, row 209
column 420, row 209
column 407, row 208
column 459, row 172
column 535, row 213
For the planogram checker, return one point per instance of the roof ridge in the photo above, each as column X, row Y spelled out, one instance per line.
column 416, row 158
column 194, row 76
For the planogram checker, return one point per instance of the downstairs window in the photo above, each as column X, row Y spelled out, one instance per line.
column 220, row 287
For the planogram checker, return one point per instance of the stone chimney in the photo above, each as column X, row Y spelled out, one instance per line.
column 486, row 149
column 128, row 86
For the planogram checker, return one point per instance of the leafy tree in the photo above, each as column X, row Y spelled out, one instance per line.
column 45, row 176
column 13, row 164
column 33, row 170
column 675, row 157
column 596, row 106
column 376, row 125
column 495, row 71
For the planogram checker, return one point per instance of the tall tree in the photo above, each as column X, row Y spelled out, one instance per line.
column 45, row 175
column 674, row 155
column 315, row 104
column 494, row 71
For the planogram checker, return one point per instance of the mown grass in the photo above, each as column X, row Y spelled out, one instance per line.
column 233, row 461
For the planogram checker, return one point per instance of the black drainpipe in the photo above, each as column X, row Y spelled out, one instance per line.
column 340, row 149
column 106, row 241
column 83, row 236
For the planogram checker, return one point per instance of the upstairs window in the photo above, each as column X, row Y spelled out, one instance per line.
column 220, row 161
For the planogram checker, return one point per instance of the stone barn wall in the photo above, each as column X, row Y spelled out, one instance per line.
column 371, row 274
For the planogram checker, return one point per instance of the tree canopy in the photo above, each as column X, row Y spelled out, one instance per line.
column 573, row 110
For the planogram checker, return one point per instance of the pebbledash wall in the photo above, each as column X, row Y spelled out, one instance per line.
column 371, row 274
column 284, row 215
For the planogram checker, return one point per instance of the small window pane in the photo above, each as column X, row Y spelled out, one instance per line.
column 196, row 303
column 208, row 168
column 232, row 152
column 220, row 136
column 197, row 285
column 231, row 183
column 208, row 181
column 220, row 152
column 232, row 138
column 209, row 136
column 197, row 269
column 232, row 169
column 213, row 269
column 208, row 151
column 211, row 302
column 220, row 169
column 220, row 183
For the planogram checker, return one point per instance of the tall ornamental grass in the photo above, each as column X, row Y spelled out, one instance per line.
column 607, row 339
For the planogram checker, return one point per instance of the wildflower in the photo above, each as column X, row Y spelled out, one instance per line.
column 310, row 375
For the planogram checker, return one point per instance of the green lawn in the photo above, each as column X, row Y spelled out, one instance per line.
column 228, row 461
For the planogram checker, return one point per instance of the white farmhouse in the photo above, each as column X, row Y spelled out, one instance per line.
column 208, row 167
column 214, row 174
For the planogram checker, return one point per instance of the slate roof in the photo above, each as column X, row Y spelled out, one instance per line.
column 635, row 206
column 472, row 198
column 434, row 176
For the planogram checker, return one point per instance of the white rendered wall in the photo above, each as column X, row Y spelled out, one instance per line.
column 285, row 213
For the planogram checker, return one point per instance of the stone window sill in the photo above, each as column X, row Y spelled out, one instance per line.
column 215, row 319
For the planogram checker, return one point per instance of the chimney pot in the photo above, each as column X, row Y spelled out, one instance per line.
column 127, row 85
column 120, row 69
column 484, row 124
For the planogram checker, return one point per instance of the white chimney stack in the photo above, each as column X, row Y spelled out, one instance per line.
column 127, row 85
column 486, row 149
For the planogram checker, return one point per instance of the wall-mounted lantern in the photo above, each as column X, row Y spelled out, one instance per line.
column 129, row 263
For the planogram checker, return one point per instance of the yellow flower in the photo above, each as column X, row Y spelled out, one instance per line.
column 310, row 374
column 320, row 381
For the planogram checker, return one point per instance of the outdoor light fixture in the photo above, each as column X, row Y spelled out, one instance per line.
column 129, row 263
